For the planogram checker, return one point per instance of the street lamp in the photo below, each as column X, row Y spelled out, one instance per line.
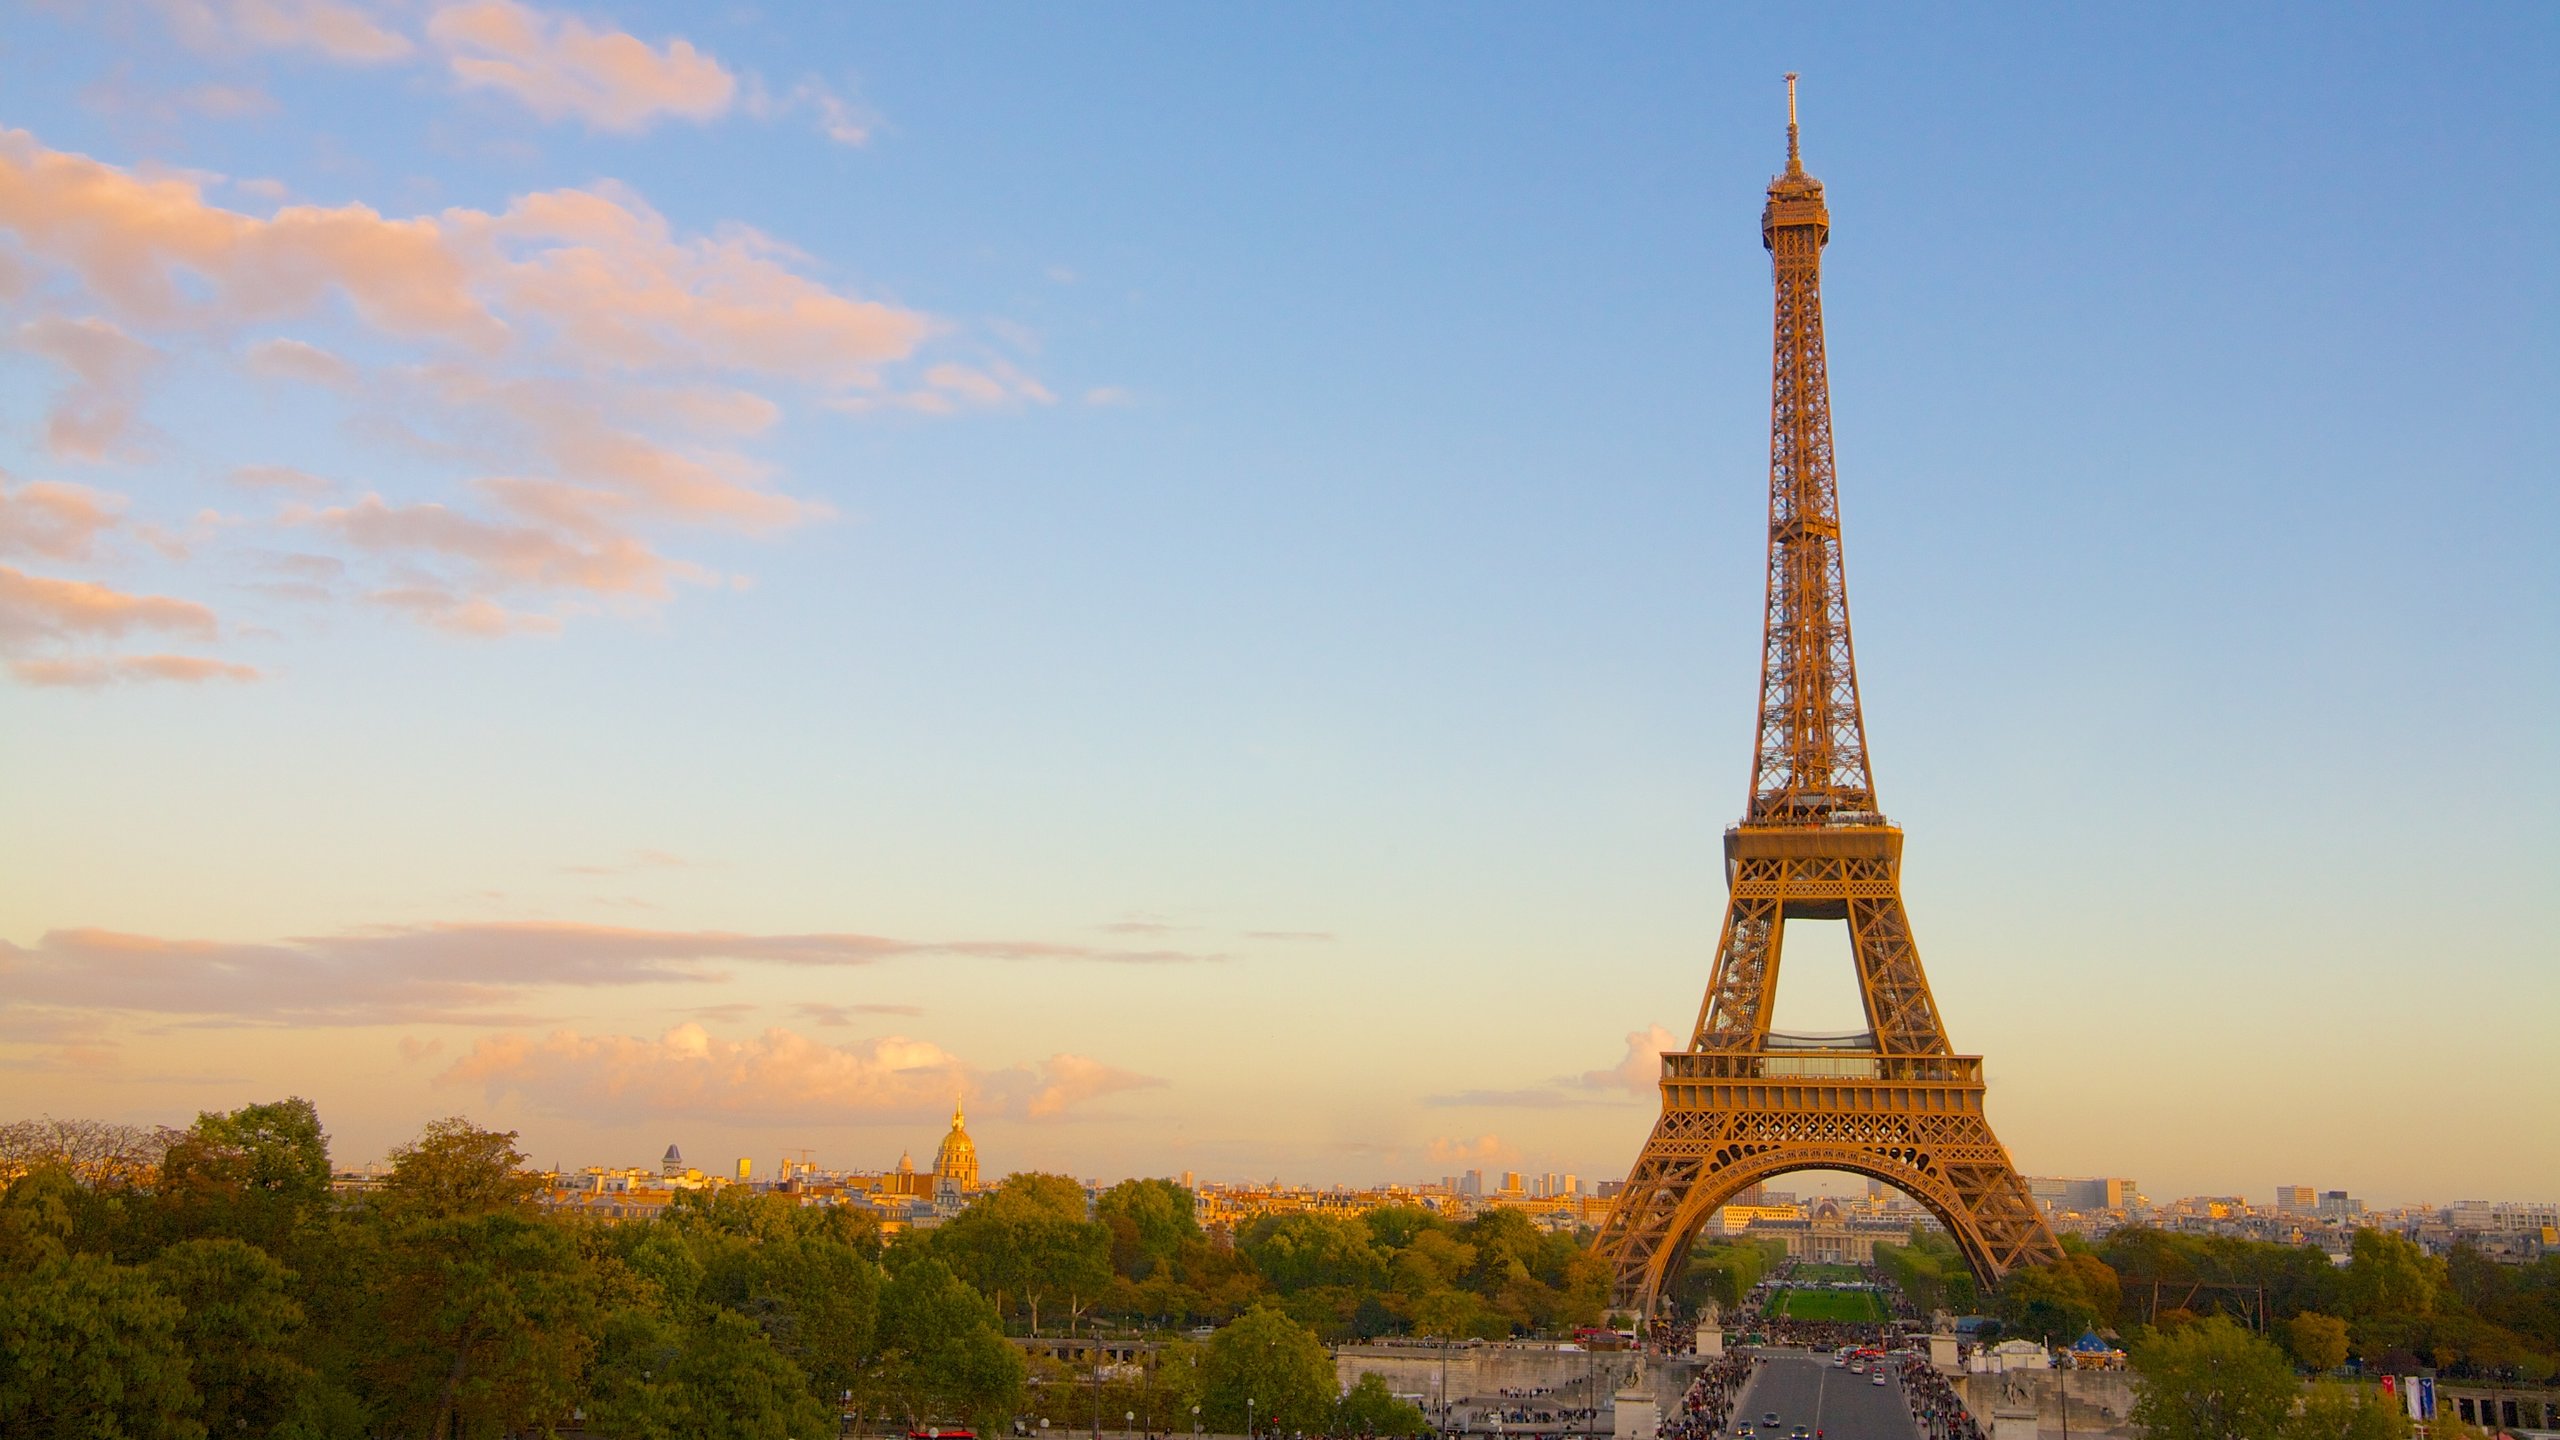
column 1248, row 1418
column 1195, row 1419
column 1129, row 1420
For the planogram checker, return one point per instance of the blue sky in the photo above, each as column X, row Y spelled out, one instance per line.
column 1226, row 539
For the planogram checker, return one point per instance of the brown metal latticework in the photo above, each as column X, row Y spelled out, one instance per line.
column 1742, row 1103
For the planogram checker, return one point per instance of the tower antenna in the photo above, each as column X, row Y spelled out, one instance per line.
column 1795, row 157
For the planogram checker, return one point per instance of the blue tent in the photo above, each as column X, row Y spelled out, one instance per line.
column 2090, row 1344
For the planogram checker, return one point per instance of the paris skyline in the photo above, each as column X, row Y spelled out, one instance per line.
column 1196, row 580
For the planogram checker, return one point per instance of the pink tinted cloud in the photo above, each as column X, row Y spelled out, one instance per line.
column 95, row 670
column 688, row 1071
column 39, row 607
column 561, row 67
column 534, row 556
column 334, row 29
column 476, row 616
column 55, row 520
column 1065, row 1081
column 573, row 355
column 94, row 413
column 45, row 621
column 595, row 275
column 775, row 1075
column 289, row 359
column 456, row 971
column 279, row 477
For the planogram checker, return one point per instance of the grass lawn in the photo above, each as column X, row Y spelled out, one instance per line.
column 1855, row 1307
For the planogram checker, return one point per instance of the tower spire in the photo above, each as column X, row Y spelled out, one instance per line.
column 1811, row 761
column 1795, row 156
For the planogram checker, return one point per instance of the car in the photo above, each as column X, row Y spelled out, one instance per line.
column 1742, row 1432
column 1771, row 1418
column 1799, row 1433
column 1877, row 1380
column 1839, row 1362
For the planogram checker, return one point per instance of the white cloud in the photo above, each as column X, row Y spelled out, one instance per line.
column 1482, row 1150
column 1640, row 1072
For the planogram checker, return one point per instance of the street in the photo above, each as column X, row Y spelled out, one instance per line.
column 1806, row 1390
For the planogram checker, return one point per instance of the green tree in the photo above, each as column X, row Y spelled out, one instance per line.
column 731, row 1385
column 283, row 1150
column 2332, row 1411
column 2211, row 1381
column 1370, row 1408
column 488, row 1320
column 37, row 1218
column 1028, row 1240
column 632, row 1387
column 241, row 1329
column 455, row 1168
column 2050, row 1302
column 1720, row 1273
column 2318, row 1341
column 1432, row 1260
column 1453, row 1314
column 942, row 1355
column 92, row 1348
column 1302, row 1252
column 2389, row 1277
column 1394, row 1227
column 1150, row 1221
column 818, row 1302
column 1274, row 1362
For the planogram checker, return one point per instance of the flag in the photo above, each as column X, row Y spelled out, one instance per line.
column 2409, row 1395
column 2427, row 1397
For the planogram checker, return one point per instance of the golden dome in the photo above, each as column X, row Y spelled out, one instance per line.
column 958, row 1157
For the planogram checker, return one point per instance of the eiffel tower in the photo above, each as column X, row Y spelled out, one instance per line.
column 1743, row 1102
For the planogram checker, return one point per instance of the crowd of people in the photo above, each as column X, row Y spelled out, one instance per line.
column 1707, row 1407
column 1934, row 1404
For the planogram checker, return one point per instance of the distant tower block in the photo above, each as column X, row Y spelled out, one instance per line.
column 673, row 1164
column 1743, row 1103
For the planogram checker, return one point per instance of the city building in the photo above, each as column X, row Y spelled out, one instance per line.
column 1831, row 1234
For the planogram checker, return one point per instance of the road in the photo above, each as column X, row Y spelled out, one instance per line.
column 1806, row 1390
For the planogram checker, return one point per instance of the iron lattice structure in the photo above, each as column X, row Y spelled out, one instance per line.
column 1743, row 1103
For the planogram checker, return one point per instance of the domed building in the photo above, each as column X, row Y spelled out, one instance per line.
column 957, row 1160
